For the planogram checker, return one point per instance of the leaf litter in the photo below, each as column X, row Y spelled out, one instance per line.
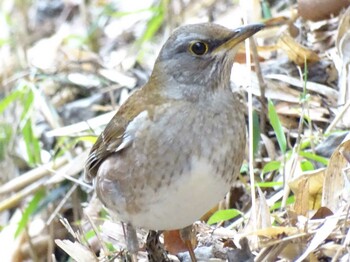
column 72, row 64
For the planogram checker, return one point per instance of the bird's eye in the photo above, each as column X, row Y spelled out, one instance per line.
column 198, row 48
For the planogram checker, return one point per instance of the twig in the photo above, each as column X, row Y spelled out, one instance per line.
column 262, row 84
column 61, row 204
column 337, row 118
column 31, row 176
column 250, row 129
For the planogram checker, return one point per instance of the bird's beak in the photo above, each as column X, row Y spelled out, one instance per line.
column 238, row 36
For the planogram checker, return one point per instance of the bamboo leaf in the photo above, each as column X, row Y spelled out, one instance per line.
column 290, row 200
column 15, row 95
column 269, row 184
column 256, row 132
column 277, row 127
column 30, row 209
column 271, row 166
column 32, row 144
column 223, row 215
column 314, row 157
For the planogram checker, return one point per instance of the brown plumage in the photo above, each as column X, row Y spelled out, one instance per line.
column 175, row 146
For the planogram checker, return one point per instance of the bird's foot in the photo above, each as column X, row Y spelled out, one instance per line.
column 132, row 242
column 186, row 236
column 155, row 249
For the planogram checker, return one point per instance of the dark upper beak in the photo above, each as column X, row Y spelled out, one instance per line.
column 238, row 36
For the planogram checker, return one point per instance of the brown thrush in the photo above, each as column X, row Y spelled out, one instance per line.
column 176, row 145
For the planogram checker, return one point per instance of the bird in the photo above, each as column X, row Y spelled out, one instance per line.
column 176, row 145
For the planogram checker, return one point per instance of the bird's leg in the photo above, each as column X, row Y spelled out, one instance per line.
column 155, row 249
column 185, row 234
column 132, row 243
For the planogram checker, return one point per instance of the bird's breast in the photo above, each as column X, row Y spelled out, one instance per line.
column 179, row 164
column 184, row 201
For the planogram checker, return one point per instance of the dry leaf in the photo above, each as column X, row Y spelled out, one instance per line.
column 308, row 191
column 269, row 146
column 118, row 77
column 276, row 232
column 329, row 93
column 259, row 221
column 84, row 80
column 322, row 212
column 292, row 250
column 10, row 246
column 295, row 51
column 334, row 183
column 263, row 215
column 76, row 250
column 88, row 125
column 322, row 233
column 316, row 10
column 43, row 54
column 174, row 244
column 276, row 90
column 343, row 47
column 295, row 110
column 330, row 249
column 76, row 58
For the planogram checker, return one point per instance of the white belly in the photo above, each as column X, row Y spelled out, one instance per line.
column 184, row 201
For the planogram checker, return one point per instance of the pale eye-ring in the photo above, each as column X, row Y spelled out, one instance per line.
column 198, row 48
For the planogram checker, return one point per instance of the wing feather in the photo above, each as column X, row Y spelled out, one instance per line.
column 119, row 133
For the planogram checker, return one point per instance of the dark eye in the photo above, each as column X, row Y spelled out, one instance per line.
column 198, row 48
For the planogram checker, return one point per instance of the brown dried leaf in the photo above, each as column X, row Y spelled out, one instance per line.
column 295, row 110
column 276, row 90
column 263, row 215
column 269, row 146
column 334, row 182
column 276, row 232
column 316, row 10
column 330, row 249
column 75, row 58
column 292, row 250
column 343, row 35
column 322, row 212
column 307, row 189
column 262, row 218
column 174, row 244
column 331, row 94
column 295, row 51
column 321, row 234
column 343, row 47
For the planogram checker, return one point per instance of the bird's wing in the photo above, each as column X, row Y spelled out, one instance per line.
column 119, row 133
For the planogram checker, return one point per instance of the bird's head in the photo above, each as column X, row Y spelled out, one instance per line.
column 199, row 56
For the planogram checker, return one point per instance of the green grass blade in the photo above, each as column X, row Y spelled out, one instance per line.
column 306, row 165
column 31, row 141
column 14, row 95
column 32, row 144
column 5, row 137
column 314, row 157
column 223, row 215
column 271, row 166
column 269, row 184
column 277, row 127
column 256, row 132
column 153, row 25
column 33, row 204
column 265, row 9
column 277, row 205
